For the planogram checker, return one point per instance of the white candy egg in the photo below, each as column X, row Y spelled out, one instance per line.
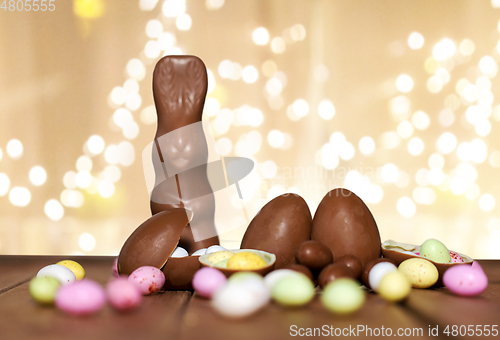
column 273, row 277
column 214, row 249
column 179, row 252
column 200, row 252
column 377, row 272
column 61, row 273
column 238, row 301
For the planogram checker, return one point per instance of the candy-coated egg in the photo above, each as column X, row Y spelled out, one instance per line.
column 219, row 256
column 207, row 280
column 61, row 273
column 343, row 296
column 466, row 280
column 455, row 257
column 300, row 268
column 377, row 272
column 394, row 287
column 419, row 272
column 179, row 252
column 200, row 252
column 114, row 268
column 148, row 279
column 75, row 267
column 296, row 290
column 273, row 277
column 123, row 295
column 81, row 297
column 238, row 301
column 245, row 261
column 435, row 251
column 214, row 249
column 43, row 289
column 241, row 277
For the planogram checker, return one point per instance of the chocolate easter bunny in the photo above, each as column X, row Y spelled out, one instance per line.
column 180, row 151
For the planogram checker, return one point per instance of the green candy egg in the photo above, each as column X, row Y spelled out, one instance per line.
column 343, row 296
column 43, row 289
column 293, row 291
column 244, row 276
column 435, row 251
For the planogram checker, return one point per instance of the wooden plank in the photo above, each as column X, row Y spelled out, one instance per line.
column 275, row 322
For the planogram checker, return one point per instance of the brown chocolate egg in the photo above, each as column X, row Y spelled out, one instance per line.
column 279, row 227
column 152, row 243
column 352, row 262
column 179, row 272
column 301, row 269
column 369, row 266
column 314, row 255
column 345, row 224
column 332, row 272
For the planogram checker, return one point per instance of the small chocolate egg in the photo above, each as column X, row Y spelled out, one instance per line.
column 352, row 262
column 345, row 224
column 369, row 266
column 333, row 272
column 152, row 243
column 279, row 227
column 314, row 255
column 300, row 268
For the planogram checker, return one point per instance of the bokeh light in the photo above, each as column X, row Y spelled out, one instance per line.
column 37, row 175
column 15, row 148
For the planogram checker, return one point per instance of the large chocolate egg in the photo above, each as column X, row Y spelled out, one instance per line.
column 344, row 223
column 152, row 243
column 279, row 227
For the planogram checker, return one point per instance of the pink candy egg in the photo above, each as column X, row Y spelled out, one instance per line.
column 114, row 268
column 81, row 297
column 207, row 280
column 148, row 279
column 466, row 280
column 123, row 295
column 455, row 258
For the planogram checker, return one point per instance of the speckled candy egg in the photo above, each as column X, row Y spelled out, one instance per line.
column 466, row 280
column 123, row 295
column 81, row 298
column 293, row 291
column 343, row 296
column 61, row 273
column 394, row 287
column 75, row 267
column 207, row 280
column 421, row 273
column 435, row 251
column 148, row 279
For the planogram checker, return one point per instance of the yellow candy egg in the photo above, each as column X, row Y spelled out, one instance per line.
column 245, row 261
column 421, row 273
column 75, row 267
column 394, row 287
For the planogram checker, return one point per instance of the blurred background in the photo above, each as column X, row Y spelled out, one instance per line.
column 395, row 100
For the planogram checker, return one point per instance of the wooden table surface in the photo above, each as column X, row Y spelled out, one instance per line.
column 183, row 315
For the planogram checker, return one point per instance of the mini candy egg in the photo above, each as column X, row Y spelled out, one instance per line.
column 377, row 272
column 419, row 272
column 219, row 256
column 179, row 252
column 62, row 273
column 300, row 268
column 123, row 295
column 466, row 280
column 435, row 251
column 273, row 277
column 148, row 279
column 343, row 296
column 253, row 282
column 207, row 280
column 199, row 252
column 245, row 261
column 75, row 267
column 455, row 257
column 80, row 298
column 114, row 268
column 394, row 287
column 43, row 289
column 214, row 249
column 333, row 272
column 238, row 301
column 292, row 291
